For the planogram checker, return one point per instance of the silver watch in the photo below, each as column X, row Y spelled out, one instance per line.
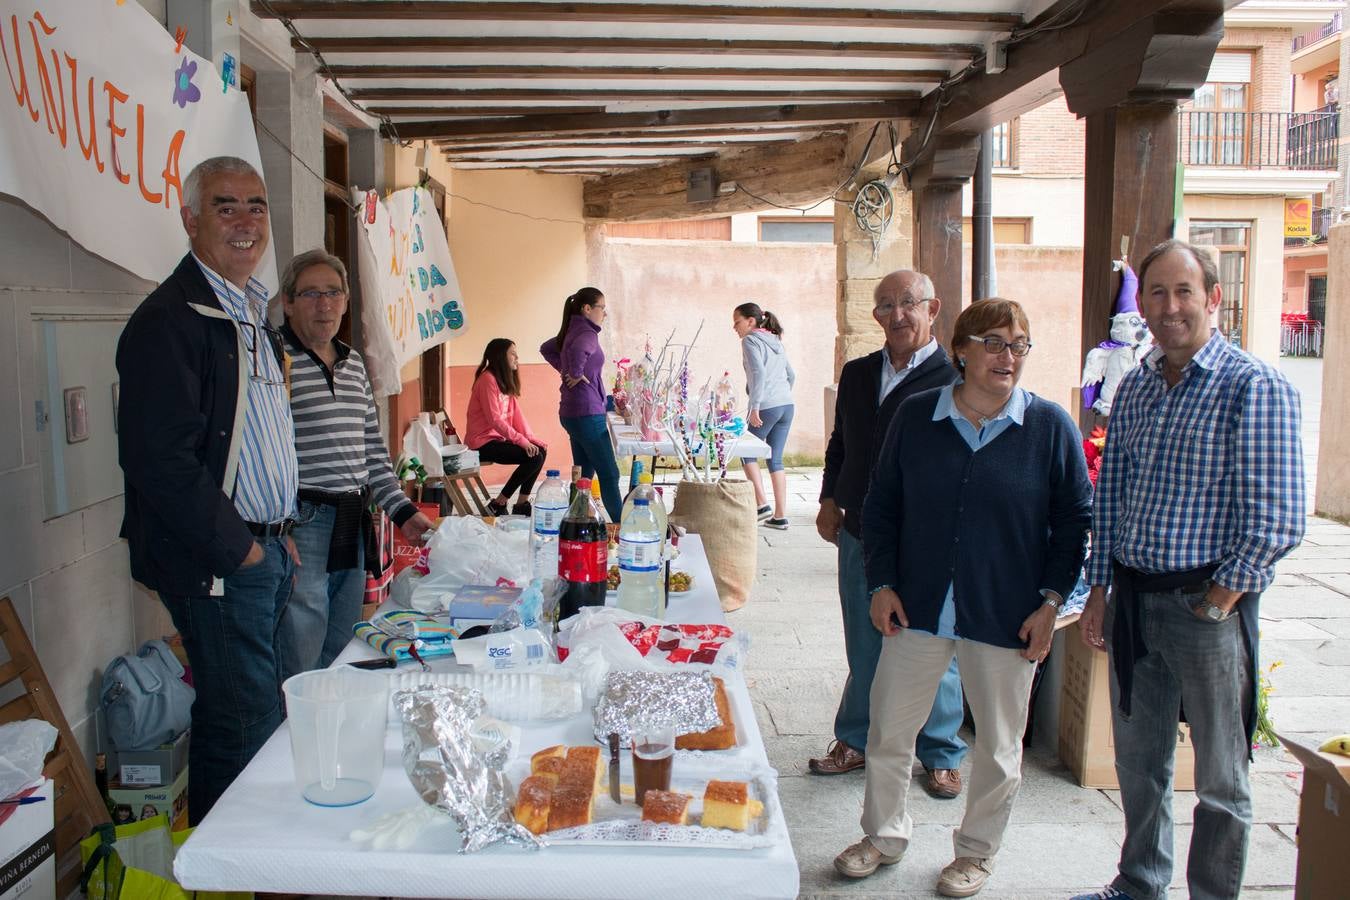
column 1214, row 613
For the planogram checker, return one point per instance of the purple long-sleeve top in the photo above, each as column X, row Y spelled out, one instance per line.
column 579, row 355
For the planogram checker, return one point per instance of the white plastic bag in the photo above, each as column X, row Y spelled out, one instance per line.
column 23, row 747
column 466, row 551
column 401, row 588
column 423, row 440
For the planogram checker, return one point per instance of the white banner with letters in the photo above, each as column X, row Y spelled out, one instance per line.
column 102, row 116
column 410, row 297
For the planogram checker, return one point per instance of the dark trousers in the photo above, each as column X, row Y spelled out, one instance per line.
column 232, row 645
column 527, row 467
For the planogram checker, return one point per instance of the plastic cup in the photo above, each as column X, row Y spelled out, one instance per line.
column 338, row 719
column 653, row 754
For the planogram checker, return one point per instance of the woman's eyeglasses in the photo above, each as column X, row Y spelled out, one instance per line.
column 996, row 345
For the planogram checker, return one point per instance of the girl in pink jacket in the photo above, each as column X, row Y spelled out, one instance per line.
column 497, row 428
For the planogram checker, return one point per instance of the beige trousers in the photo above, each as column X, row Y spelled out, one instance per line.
column 997, row 685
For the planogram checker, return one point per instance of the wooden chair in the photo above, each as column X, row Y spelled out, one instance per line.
column 78, row 804
column 465, row 489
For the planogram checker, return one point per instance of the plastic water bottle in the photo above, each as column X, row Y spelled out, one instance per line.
column 550, row 505
column 646, row 490
column 640, row 565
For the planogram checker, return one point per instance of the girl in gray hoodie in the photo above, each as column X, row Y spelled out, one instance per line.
column 769, row 379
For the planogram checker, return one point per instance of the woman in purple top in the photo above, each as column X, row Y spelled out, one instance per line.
column 577, row 356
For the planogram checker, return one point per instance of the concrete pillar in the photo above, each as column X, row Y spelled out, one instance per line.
column 859, row 266
column 365, row 169
column 1333, row 450
column 290, row 140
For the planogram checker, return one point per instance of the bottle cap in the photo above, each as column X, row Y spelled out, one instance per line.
column 645, row 478
column 583, row 484
column 552, row 473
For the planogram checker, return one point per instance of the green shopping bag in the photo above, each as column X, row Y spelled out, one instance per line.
column 135, row 862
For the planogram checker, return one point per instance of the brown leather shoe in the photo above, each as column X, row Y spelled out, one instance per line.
column 840, row 758
column 945, row 784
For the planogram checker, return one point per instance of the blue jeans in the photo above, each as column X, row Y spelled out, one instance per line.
column 775, row 423
column 592, row 450
column 938, row 745
column 325, row 605
column 1195, row 663
column 231, row 644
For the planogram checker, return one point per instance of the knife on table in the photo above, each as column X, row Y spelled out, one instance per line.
column 614, row 767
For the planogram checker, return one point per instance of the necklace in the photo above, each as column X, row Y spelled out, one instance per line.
column 985, row 419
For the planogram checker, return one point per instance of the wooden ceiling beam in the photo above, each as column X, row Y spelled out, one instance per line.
column 630, row 13
column 609, row 95
column 480, row 112
column 626, row 73
column 730, row 132
column 810, row 114
column 590, row 45
column 801, row 173
column 1031, row 78
column 611, row 144
column 589, row 159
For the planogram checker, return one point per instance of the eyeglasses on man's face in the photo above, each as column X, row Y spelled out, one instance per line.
column 993, row 344
column 312, row 295
column 905, row 305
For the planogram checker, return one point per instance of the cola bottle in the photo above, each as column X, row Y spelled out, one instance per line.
column 583, row 554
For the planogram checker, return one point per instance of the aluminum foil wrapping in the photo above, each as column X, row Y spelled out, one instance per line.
column 452, row 771
column 632, row 699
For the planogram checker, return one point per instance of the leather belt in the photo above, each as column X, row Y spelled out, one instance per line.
column 273, row 530
column 332, row 498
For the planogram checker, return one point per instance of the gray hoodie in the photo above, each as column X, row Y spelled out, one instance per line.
column 768, row 374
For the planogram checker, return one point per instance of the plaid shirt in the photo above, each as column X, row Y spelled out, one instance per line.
column 1210, row 471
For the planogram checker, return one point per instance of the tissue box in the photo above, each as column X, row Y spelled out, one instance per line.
column 131, row 804
column 482, row 601
column 28, row 850
column 151, row 768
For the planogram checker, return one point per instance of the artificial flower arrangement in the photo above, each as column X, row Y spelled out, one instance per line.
column 1093, row 447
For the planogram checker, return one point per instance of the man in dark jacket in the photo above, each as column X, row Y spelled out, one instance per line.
column 207, row 448
column 870, row 390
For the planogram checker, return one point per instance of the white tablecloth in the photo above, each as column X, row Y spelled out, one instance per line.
column 627, row 440
column 261, row 836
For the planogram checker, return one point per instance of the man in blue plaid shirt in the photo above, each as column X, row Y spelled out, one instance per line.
column 1200, row 494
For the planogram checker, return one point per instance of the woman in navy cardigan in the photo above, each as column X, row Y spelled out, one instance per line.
column 974, row 530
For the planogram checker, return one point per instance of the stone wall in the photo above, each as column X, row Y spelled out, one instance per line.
column 1333, row 453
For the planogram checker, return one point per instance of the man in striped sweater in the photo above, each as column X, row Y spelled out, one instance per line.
column 343, row 462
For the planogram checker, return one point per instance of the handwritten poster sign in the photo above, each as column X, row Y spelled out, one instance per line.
column 102, row 116
column 410, row 296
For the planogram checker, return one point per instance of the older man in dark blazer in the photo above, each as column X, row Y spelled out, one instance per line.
column 870, row 390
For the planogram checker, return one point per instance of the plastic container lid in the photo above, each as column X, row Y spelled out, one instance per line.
column 552, row 473
column 645, row 478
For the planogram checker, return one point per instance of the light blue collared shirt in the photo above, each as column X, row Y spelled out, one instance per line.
column 891, row 377
column 976, row 439
column 268, row 478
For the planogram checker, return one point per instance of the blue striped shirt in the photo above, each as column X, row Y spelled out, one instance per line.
column 1210, row 471
column 266, row 485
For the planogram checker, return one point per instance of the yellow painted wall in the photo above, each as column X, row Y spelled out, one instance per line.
column 514, row 268
column 1265, row 284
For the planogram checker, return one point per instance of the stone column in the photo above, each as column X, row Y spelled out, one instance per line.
column 290, row 141
column 859, row 266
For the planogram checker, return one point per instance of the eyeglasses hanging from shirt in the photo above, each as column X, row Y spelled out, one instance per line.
column 273, row 337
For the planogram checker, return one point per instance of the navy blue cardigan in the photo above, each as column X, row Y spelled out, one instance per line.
column 999, row 525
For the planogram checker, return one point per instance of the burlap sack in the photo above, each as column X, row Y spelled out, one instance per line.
column 722, row 513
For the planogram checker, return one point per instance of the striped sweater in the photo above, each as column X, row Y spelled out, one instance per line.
column 337, row 431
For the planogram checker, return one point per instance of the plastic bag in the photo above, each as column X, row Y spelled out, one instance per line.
column 23, row 747
column 423, row 441
column 463, row 551
column 135, row 862
column 502, row 651
column 629, row 641
column 401, row 588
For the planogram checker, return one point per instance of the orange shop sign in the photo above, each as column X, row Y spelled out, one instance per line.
column 102, row 116
column 1298, row 218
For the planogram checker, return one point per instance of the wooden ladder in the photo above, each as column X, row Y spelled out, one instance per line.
column 79, row 807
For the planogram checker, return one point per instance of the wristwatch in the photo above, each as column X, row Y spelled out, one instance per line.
column 1214, row 613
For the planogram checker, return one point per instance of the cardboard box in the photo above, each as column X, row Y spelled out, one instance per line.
column 152, row 768
column 131, row 804
column 1086, row 743
column 28, row 850
column 1323, row 824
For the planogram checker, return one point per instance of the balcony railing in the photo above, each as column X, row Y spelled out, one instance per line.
column 1259, row 140
column 1309, row 38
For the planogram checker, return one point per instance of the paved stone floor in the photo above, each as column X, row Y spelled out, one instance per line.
column 1063, row 839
